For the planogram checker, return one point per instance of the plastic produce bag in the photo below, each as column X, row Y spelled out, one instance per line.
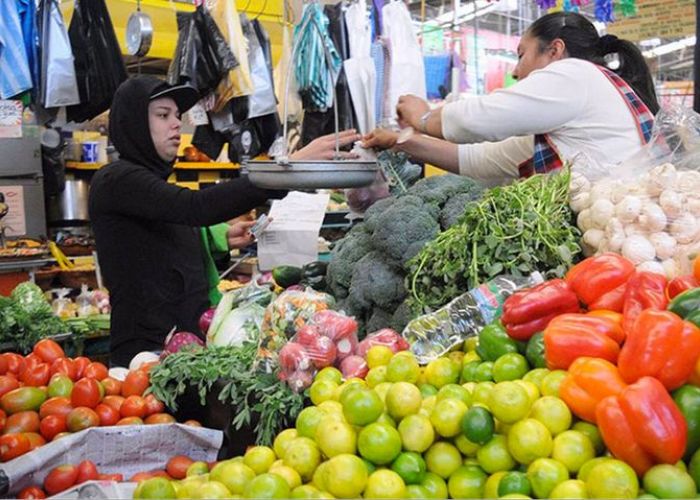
column 99, row 65
column 202, row 56
column 329, row 338
column 647, row 208
column 262, row 101
column 284, row 317
column 434, row 334
column 280, row 74
column 58, row 85
column 386, row 337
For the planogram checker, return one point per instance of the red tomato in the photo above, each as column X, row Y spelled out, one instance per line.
column 140, row 476
column 13, row 445
column 15, row 362
column 153, row 405
column 130, row 421
column 114, row 401
column 52, row 425
column 96, row 370
column 133, row 406
column 113, row 387
column 31, row 493
column 7, row 383
column 111, row 477
column 23, row 421
column 87, row 471
column 3, row 420
column 55, row 406
column 31, row 360
column 160, row 418
column 81, row 418
column 160, row 473
column 66, row 366
column 135, row 383
column 35, row 440
column 3, row 365
column 86, row 392
column 61, row 434
column 36, row 376
column 22, row 399
column 107, row 414
column 177, row 466
column 146, row 367
column 60, row 479
column 192, row 423
column 48, row 350
column 81, row 363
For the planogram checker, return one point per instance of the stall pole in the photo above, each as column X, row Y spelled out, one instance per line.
column 696, row 61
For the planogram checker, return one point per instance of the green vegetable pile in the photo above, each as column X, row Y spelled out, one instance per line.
column 26, row 317
column 368, row 267
column 255, row 397
column 516, row 229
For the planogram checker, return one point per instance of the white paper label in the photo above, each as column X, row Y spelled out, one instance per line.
column 16, row 220
column 10, row 119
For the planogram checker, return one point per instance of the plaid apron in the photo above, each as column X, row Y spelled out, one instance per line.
column 546, row 157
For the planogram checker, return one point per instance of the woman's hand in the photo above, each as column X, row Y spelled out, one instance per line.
column 238, row 234
column 323, row 148
column 380, row 138
column 410, row 109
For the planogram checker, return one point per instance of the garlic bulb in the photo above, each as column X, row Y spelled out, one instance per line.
column 671, row 202
column 652, row 218
column 652, row 266
column 688, row 181
column 638, row 249
column 578, row 183
column 593, row 237
column 629, row 209
column 661, row 178
column 580, row 201
column 664, row 245
column 684, row 229
column 583, row 220
column 601, row 212
column 615, row 234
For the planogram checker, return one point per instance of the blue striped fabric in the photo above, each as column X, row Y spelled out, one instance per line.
column 15, row 77
column 377, row 53
column 27, row 17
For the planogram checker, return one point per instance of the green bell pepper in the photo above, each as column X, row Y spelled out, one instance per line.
column 535, row 351
column 687, row 399
column 687, row 306
column 494, row 342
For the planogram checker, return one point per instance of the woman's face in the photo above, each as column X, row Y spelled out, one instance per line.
column 531, row 57
column 164, row 123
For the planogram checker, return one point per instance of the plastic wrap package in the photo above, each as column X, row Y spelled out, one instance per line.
column 386, row 337
column 290, row 311
column 328, row 339
column 432, row 335
column 647, row 208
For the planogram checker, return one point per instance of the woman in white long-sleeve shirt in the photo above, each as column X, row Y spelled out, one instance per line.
column 567, row 105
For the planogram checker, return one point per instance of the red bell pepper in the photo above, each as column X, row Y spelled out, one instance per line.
column 571, row 336
column 681, row 284
column 599, row 282
column 589, row 381
column 529, row 311
column 645, row 290
column 642, row 425
column 661, row 345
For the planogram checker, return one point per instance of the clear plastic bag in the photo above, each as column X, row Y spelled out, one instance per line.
column 648, row 208
column 62, row 306
column 386, row 337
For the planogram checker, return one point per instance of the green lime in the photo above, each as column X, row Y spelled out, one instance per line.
column 551, row 382
column 668, row 481
column 478, row 425
column 454, row 391
column 511, row 366
column 514, row 482
column 410, row 466
column 528, row 440
column 483, row 372
column 545, row 474
column 467, row 482
column 536, row 376
column 428, row 390
column 612, row 479
column 435, row 485
column 573, row 449
column 509, row 402
column 469, row 371
column 593, row 434
column 494, row 455
column 417, row 491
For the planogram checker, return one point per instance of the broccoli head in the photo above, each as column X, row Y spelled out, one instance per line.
column 378, row 320
column 402, row 225
column 345, row 255
column 401, row 317
column 376, row 282
column 455, row 208
column 438, row 189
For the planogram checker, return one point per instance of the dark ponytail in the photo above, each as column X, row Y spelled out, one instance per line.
column 582, row 42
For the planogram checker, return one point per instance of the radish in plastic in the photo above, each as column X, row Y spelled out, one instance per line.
column 386, row 337
column 175, row 342
column 307, row 335
column 205, row 320
column 322, row 352
column 346, row 346
column 334, row 325
column 293, row 357
column 240, row 325
column 354, row 367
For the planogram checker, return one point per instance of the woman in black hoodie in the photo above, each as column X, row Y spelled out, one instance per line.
column 146, row 229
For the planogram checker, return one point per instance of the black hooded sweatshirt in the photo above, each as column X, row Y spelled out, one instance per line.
column 146, row 231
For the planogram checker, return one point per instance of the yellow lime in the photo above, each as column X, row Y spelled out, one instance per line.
column 290, row 475
column 593, row 434
column 303, row 456
column 335, row 438
column 345, row 476
column 456, row 357
column 435, row 485
column 267, row 486
column 443, row 458
column 157, row 487
column 442, row 371
column 307, row 421
column 528, row 440
column 282, row 440
column 319, row 478
column 588, row 467
column 322, row 390
column 382, row 389
column 612, row 479
column 385, row 418
column 259, row 458
column 330, row 373
column 379, row 355
column 533, row 392
column 447, row 416
column 417, row 491
column 545, row 474
column 332, row 408
column 417, row 433
column 494, row 455
column 455, row 391
column 403, row 399
column 553, row 413
column 385, row 483
column 551, row 383
column 465, row 446
column 536, row 376
column 573, row 449
column 482, row 393
column 234, row 475
column 376, row 376
column 403, row 368
column 467, row 482
column 571, row 488
column 306, row 491
column 361, row 406
column 491, row 486
column 379, row 443
column 509, row 402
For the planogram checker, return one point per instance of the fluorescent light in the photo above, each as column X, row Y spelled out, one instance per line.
column 670, row 47
column 466, row 12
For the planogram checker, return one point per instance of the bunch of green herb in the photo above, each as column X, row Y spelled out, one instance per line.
column 255, row 397
column 516, row 229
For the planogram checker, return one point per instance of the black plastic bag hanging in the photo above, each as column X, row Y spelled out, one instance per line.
column 98, row 61
column 202, row 55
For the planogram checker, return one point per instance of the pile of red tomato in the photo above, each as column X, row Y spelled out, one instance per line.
column 46, row 395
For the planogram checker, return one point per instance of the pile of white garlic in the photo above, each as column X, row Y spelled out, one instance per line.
column 653, row 220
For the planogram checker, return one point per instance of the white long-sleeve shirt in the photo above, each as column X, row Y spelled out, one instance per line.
column 571, row 100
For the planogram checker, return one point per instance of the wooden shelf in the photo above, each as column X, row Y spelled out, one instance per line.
column 81, row 165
